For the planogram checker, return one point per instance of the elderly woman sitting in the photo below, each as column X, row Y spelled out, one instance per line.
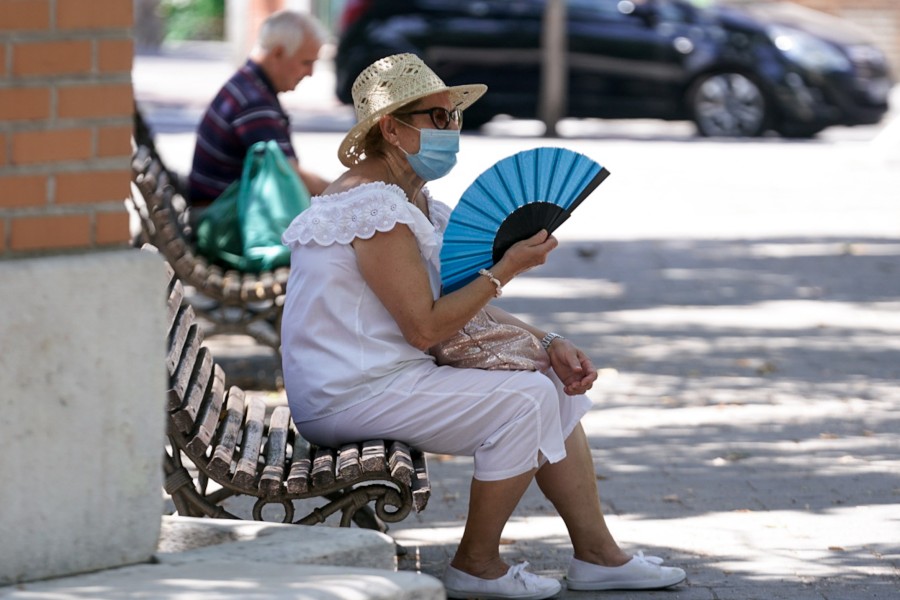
column 364, row 305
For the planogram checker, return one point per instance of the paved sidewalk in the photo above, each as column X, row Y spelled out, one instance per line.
column 744, row 311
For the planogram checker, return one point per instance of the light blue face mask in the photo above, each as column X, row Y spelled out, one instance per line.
column 437, row 152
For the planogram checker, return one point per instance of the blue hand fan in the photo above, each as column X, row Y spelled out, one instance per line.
column 513, row 200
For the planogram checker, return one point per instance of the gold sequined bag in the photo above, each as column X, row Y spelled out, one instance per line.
column 485, row 343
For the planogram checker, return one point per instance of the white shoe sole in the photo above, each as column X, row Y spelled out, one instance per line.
column 627, row 584
column 460, row 595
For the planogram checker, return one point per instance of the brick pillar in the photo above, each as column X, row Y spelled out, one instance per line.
column 65, row 124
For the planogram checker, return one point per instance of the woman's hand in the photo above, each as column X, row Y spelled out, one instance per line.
column 572, row 366
column 525, row 255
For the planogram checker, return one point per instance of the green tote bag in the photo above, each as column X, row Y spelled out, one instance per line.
column 242, row 228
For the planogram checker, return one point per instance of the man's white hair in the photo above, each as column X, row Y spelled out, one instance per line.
column 288, row 29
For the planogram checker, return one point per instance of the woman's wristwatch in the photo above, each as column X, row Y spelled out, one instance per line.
column 548, row 339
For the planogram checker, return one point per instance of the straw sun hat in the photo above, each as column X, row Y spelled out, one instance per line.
column 388, row 84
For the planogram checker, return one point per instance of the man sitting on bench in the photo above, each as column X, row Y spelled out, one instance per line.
column 247, row 109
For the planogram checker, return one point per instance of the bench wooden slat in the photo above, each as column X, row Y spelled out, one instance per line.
column 323, row 467
column 301, row 464
column 373, row 456
column 214, row 277
column 251, row 443
column 199, row 269
column 195, row 392
column 231, row 285
column 251, row 290
column 348, row 465
column 401, row 463
column 179, row 248
column 230, row 431
column 261, row 286
column 282, row 274
column 175, row 299
column 166, row 229
column 180, row 254
column 421, row 486
column 185, row 266
column 141, row 159
column 172, row 245
column 184, row 318
column 185, row 367
column 276, row 449
column 208, row 415
column 154, row 173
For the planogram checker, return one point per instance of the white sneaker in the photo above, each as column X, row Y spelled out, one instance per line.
column 637, row 574
column 517, row 583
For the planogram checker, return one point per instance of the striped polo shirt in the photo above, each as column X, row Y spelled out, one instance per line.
column 245, row 111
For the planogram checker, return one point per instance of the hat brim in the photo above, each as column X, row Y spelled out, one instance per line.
column 353, row 146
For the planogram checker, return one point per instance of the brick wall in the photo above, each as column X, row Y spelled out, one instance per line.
column 880, row 18
column 66, row 102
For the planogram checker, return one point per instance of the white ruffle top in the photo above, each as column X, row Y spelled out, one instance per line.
column 340, row 346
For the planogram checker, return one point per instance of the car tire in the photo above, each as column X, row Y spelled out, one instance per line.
column 728, row 104
column 799, row 131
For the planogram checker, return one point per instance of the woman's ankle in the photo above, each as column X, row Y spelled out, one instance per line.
column 606, row 557
column 492, row 568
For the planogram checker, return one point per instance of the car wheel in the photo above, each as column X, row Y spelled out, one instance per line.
column 728, row 105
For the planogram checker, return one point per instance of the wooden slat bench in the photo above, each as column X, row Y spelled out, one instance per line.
column 230, row 301
column 222, row 444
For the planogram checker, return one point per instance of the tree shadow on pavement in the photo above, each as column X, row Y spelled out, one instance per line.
column 745, row 422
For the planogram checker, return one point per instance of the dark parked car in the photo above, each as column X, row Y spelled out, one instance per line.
column 735, row 69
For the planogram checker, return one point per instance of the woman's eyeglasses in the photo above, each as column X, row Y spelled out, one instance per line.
column 440, row 116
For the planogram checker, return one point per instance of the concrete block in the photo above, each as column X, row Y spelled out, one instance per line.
column 186, row 540
column 83, row 387
column 243, row 580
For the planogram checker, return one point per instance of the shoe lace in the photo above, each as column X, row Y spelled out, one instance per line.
column 529, row 580
column 652, row 560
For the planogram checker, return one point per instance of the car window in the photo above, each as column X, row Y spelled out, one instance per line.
column 623, row 10
column 482, row 8
column 605, row 9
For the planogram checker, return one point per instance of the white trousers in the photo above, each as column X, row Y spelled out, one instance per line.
column 507, row 420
